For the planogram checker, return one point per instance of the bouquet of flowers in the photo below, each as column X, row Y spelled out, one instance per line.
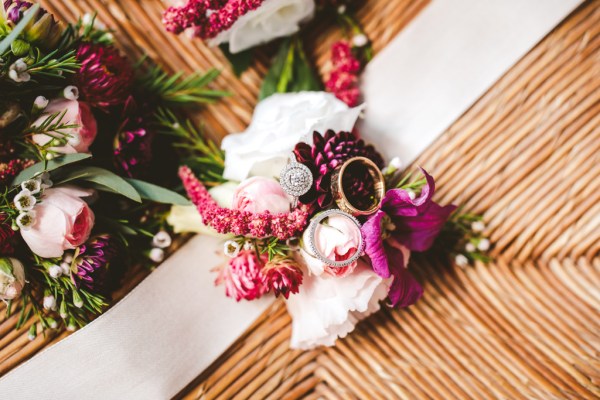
column 313, row 213
column 78, row 125
column 238, row 27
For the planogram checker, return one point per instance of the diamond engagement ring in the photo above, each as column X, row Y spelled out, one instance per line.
column 295, row 179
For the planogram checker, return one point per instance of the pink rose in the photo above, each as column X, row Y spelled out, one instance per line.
column 338, row 239
column 62, row 221
column 79, row 138
column 260, row 194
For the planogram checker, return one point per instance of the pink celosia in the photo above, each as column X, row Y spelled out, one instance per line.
column 224, row 220
column 343, row 81
column 242, row 277
column 208, row 18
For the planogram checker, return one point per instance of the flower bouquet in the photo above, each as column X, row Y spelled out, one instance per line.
column 78, row 125
column 312, row 212
column 238, row 27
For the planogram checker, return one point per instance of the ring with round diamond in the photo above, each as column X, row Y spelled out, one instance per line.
column 295, row 179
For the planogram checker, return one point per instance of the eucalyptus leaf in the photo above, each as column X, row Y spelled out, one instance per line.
column 103, row 179
column 51, row 165
column 157, row 194
column 14, row 34
column 240, row 62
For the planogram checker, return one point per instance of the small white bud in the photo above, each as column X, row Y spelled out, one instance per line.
column 411, row 194
column 65, row 267
column 49, row 303
column 461, row 260
column 31, row 336
column 49, row 156
column 231, row 248
column 68, row 258
column 470, row 247
column 162, row 240
column 55, row 271
column 157, row 255
column 478, row 226
column 40, row 102
column 71, row 92
column 341, row 9
column 53, row 324
column 396, row 162
column 483, row 245
column 63, row 314
column 71, row 327
column 360, row 40
column 77, row 302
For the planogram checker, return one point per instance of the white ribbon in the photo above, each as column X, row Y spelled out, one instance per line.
column 176, row 323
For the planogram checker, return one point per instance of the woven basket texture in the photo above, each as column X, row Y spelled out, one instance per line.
column 526, row 155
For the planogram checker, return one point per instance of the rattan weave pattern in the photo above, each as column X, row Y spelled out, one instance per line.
column 527, row 155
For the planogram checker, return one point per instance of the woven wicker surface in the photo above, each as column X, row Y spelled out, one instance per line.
column 527, row 155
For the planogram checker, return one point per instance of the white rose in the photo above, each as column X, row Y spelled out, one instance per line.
column 278, row 124
column 328, row 308
column 188, row 219
column 273, row 19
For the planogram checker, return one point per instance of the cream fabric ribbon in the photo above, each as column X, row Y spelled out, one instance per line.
column 176, row 323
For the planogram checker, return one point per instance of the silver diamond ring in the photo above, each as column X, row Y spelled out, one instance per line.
column 295, row 179
column 312, row 230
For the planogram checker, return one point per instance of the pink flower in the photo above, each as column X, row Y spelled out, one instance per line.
column 62, row 221
column 243, row 278
column 283, row 276
column 260, row 194
column 338, row 239
column 73, row 140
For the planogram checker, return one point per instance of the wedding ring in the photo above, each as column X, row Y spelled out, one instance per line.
column 317, row 253
column 295, row 179
column 341, row 198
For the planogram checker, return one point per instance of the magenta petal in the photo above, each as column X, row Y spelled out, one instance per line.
column 374, row 247
column 419, row 232
column 397, row 202
column 405, row 289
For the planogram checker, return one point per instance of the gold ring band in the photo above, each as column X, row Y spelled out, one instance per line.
column 340, row 196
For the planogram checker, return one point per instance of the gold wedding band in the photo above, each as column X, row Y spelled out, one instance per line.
column 343, row 202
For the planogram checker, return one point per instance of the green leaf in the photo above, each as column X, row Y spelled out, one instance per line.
column 104, row 180
column 290, row 71
column 271, row 81
column 51, row 165
column 29, row 15
column 157, row 194
column 240, row 62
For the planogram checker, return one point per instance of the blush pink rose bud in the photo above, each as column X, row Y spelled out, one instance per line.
column 259, row 194
column 338, row 239
column 12, row 278
column 80, row 137
column 63, row 221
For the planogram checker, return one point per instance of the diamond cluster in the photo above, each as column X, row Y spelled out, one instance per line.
column 296, row 179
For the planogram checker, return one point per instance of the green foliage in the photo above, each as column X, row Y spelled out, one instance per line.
column 14, row 34
column 158, row 194
column 101, row 179
column 290, row 71
column 48, row 166
column 240, row 62
column 175, row 91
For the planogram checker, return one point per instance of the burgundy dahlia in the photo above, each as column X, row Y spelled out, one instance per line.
column 327, row 153
column 94, row 260
column 7, row 237
column 133, row 151
column 283, row 277
column 105, row 76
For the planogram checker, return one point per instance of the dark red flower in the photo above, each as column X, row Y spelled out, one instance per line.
column 133, row 151
column 94, row 260
column 7, row 237
column 283, row 277
column 105, row 77
column 10, row 169
column 327, row 153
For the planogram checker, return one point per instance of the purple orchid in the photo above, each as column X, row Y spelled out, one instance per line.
column 400, row 226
